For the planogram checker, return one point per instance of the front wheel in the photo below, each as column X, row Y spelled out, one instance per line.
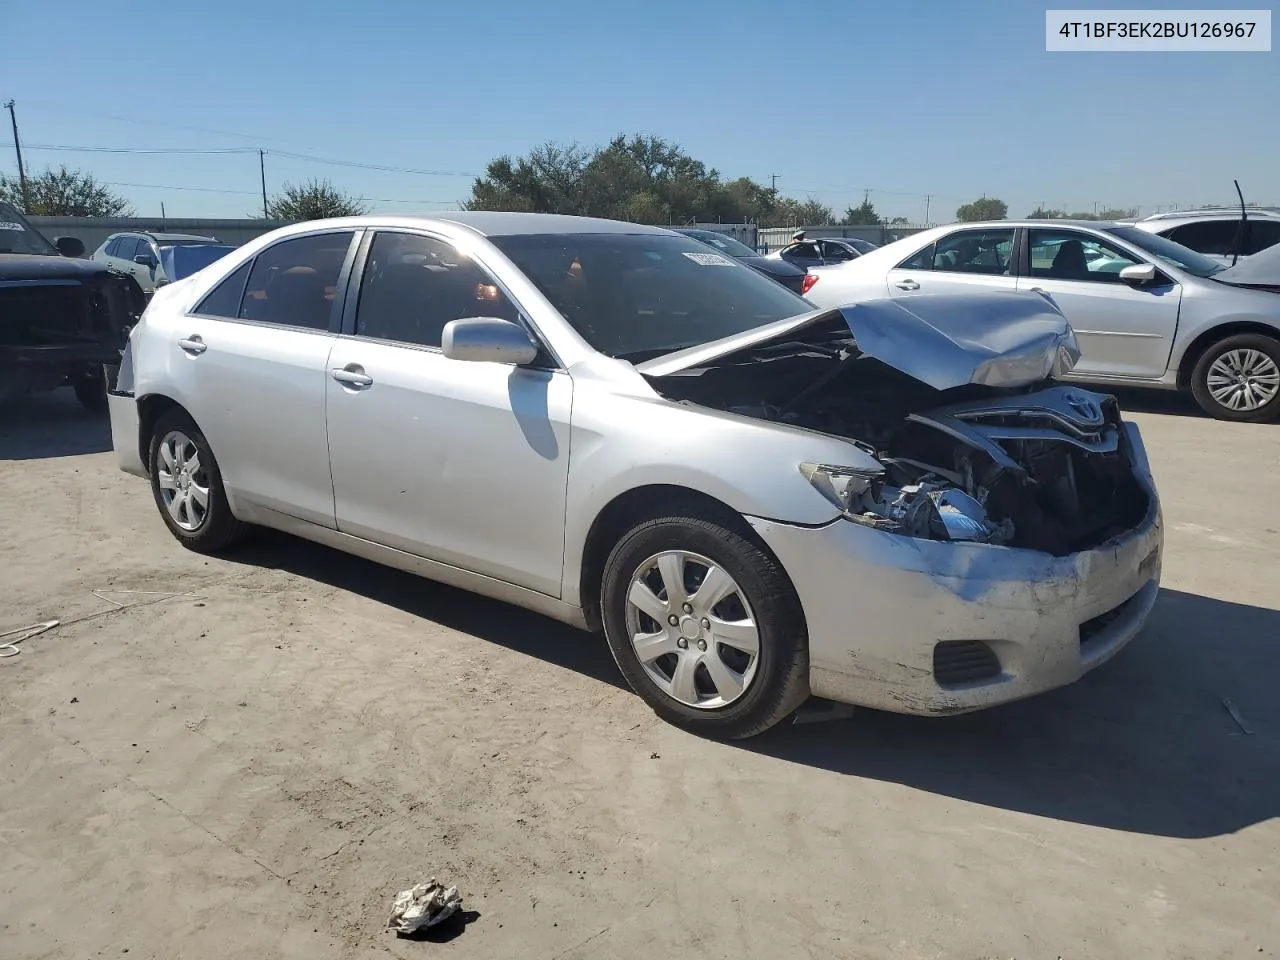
column 705, row 626
column 1238, row 378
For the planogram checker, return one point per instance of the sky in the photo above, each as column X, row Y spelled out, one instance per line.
column 920, row 102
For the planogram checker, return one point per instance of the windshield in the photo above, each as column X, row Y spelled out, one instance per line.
column 1174, row 254
column 723, row 243
column 18, row 236
column 639, row 296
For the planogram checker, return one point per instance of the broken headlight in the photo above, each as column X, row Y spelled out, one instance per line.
column 932, row 509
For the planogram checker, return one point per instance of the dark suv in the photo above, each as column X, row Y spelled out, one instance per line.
column 61, row 318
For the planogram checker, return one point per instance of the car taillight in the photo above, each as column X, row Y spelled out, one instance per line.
column 807, row 283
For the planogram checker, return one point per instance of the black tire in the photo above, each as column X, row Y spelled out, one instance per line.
column 1269, row 346
column 217, row 528
column 91, row 391
column 781, row 679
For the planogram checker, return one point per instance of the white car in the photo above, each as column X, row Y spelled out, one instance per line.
column 624, row 429
column 1215, row 232
column 143, row 255
column 1148, row 312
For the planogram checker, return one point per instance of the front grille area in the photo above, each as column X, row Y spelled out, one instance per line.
column 1091, row 629
column 957, row 662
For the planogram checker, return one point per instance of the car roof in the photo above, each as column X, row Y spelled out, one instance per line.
column 499, row 224
column 160, row 237
column 1213, row 213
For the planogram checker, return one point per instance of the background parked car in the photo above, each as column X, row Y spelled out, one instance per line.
column 824, row 251
column 139, row 254
column 61, row 317
column 787, row 274
column 1147, row 311
column 1214, row 232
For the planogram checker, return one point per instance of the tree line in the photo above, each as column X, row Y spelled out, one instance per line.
column 639, row 178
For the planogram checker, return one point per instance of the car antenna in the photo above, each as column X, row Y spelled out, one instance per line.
column 1244, row 219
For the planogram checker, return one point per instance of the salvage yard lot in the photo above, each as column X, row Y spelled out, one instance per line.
column 252, row 770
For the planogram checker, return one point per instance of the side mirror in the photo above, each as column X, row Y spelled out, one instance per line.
column 487, row 339
column 1139, row 273
column 144, row 260
column 69, row 246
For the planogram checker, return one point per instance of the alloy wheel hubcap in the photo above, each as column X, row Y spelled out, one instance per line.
column 1243, row 379
column 183, row 482
column 692, row 629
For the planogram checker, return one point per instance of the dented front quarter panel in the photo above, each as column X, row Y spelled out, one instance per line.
column 876, row 603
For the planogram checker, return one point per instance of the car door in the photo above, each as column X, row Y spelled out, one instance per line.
column 465, row 463
column 252, row 360
column 122, row 257
column 1123, row 330
column 975, row 258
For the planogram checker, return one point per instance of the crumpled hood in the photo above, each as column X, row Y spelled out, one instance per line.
column 24, row 266
column 1260, row 269
column 998, row 339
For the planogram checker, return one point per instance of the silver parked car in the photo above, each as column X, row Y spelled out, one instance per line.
column 620, row 428
column 144, row 255
column 1148, row 312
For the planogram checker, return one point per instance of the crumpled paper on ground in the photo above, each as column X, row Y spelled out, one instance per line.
column 423, row 906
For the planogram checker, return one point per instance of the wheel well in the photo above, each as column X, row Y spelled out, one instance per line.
column 1210, row 337
column 150, row 409
column 633, row 507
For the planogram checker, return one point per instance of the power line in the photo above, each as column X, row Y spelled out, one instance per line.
column 254, row 193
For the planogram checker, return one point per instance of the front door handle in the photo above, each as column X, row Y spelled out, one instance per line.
column 193, row 345
column 352, row 375
column 907, row 284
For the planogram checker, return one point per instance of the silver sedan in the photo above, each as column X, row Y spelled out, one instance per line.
column 613, row 425
column 1148, row 312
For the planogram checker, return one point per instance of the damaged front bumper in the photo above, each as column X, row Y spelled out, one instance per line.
column 933, row 627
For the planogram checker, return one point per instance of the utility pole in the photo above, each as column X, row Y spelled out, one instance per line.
column 17, row 146
column 162, row 217
column 928, row 198
column 773, row 181
column 262, row 169
column 866, row 195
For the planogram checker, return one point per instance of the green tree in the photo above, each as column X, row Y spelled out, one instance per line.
column 863, row 214
column 641, row 177
column 313, row 200
column 1109, row 213
column 899, row 222
column 984, row 208
column 1046, row 213
column 64, row 193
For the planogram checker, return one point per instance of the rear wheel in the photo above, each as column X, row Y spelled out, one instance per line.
column 705, row 626
column 187, row 486
column 1238, row 378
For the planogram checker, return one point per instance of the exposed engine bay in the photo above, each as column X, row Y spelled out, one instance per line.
column 1044, row 467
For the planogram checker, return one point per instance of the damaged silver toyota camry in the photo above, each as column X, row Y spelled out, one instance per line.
column 890, row 504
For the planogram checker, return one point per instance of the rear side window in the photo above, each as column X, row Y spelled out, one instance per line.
column 294, row 282
column 125, row 247
column 111, row 246
column 224, row 299
column 1262, row 234
column 414, row 285
column 975, row 251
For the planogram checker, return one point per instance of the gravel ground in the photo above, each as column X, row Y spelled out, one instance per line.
column 253, row 767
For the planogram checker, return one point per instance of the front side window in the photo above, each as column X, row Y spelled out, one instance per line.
column 1216, row 237
column 1068, row 255
column 125, row 248
column 224, row 299
column 975, row 251
column 414, row 285
column 803, row 251
column 294, row 282
column 835, row 253
column 639, row 296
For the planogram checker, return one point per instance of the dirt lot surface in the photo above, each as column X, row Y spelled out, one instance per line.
column 253, row 768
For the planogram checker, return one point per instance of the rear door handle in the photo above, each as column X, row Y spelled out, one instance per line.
column 193, row 345
column 352, row 375
column 907, row 285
